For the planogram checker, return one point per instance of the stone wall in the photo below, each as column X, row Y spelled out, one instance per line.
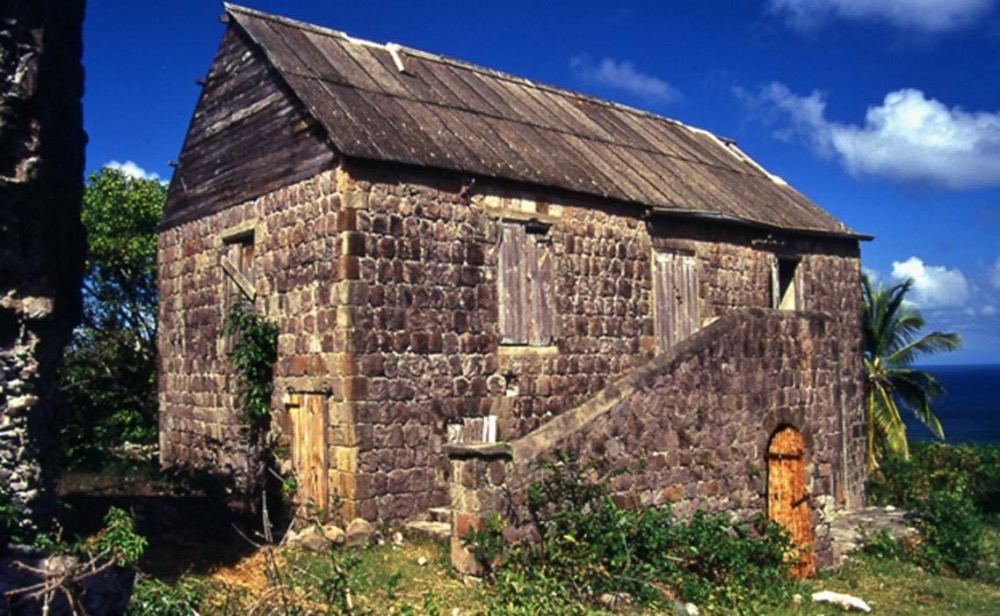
column 383, row 282
column 694, row 425
column 41, row 239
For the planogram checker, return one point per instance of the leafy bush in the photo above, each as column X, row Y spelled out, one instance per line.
column 119, row 538
column 589, row 546
column 155, row 598
column 951, row 490
column 253, row 356
column 952, row 533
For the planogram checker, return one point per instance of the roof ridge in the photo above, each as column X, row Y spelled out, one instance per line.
column 452, row 61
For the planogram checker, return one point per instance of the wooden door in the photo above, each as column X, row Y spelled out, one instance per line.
column 309, row 461
column 675, row 292
column 787, row 498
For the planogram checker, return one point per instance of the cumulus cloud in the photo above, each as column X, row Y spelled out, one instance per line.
column 622, row 75
column 934, row 286
column 132, row 170
column 928, row 16
column 909, row 138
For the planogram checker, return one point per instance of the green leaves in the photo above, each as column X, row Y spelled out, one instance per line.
column 589, row 547
column 254, row 352
column 108, row 379
column 892, row 342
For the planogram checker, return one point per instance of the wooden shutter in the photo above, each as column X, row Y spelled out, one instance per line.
column 512, row 285
column 675, row 289
column 541, row 308
column 237, row 263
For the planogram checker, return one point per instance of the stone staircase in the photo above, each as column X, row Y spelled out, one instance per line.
column 435, row 525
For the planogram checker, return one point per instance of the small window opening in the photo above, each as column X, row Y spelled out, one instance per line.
column 784, row 297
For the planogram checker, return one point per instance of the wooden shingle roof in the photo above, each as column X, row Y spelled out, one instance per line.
column 391, row 103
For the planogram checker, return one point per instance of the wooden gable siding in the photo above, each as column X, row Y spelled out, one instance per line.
column 446, row 114
column 247, row 138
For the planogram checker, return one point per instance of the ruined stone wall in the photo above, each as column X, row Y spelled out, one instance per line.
column 41, row 239
column 383, row 282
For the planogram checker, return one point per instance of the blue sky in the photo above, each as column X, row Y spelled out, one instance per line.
column 884, row 112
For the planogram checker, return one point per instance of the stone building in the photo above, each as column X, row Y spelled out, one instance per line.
column 469, row 269
column 41, row 239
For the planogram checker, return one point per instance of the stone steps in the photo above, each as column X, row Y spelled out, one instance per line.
column 435, row 525
column 436, row 531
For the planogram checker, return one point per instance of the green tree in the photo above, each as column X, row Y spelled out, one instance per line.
column 892, row 343
column 109, row 371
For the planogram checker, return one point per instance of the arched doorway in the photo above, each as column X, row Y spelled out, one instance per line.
column 787, row 498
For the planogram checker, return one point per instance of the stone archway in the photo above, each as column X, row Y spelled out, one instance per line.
column 787, row 497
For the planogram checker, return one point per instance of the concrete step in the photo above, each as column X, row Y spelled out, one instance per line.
column 439, row 514
column 437, row 531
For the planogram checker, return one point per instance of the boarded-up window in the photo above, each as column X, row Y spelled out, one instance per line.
column 237, row 263
column 525, row 280
column 238, row 276
column 675, row 286
column 783, row 287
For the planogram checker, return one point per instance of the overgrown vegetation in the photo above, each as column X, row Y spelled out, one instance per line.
column 591, row 550
column 954, row 494
column 254, row 351
column 108, row 379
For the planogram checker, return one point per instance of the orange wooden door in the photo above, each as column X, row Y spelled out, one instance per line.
column 787, row 498
column 308, row 419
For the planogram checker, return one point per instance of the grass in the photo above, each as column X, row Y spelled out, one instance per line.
column 898, row 588
column 414, row 578
column 387, row 579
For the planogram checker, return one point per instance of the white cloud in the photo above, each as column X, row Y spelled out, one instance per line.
column 927, row 16
column 934, row 286
column 908, row 139
column 994, row 274
column 132, row 170
column 988, row 310
column 622, row 75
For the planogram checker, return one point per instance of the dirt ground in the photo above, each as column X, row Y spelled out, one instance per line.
column 188, row 530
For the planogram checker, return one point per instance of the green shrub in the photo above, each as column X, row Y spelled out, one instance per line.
column 589, row 546
column 952, row 533
column 952, row 490
column 155, row 598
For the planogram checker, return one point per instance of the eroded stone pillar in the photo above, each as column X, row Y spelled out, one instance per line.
column 41, row 238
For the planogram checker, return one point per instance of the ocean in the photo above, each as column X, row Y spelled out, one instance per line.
column 970, row 408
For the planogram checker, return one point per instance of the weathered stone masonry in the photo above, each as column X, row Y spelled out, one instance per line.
column 383, row 283
column 41, row 239
column 456, row 255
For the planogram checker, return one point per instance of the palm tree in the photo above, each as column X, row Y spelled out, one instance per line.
column 892, row 342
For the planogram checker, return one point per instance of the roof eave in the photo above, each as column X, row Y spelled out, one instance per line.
column 723, row 217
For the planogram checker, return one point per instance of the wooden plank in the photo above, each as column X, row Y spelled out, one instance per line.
column 675, row 291
column 542, row 308
column 456, row 151
column 309, row 457
column 239, row 280
column 787, row 496
column 335, row 52
column 511, row 285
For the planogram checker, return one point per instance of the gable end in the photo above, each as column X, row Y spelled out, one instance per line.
column 249, row 136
